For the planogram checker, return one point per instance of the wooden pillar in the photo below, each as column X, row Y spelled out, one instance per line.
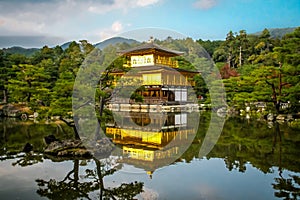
column 168, row 95
column 174, row 79
column 160, row 94
column 180, row 80
column 168, row 79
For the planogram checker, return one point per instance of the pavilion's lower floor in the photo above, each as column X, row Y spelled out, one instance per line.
column 165, row 95
column 190, row 107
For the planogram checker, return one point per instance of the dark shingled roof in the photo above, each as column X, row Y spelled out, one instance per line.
column 150, row 46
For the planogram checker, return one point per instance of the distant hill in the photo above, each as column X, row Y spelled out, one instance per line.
column 105, row 43
column 65, row 45
column 113, row 41
column 20, row 50
column 278, row 32
column 100, row 45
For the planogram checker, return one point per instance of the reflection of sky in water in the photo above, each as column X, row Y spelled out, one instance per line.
column 19, row 182
column 200, row 179
column 206, row 179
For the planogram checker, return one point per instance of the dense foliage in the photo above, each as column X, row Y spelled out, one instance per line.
column 268, row 69
column 255, row 68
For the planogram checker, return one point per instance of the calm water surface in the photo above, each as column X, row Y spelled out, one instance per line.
column 251, row 160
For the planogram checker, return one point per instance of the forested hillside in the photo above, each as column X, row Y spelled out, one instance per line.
column 255, row 68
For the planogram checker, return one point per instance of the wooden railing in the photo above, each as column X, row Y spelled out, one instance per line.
column 167, row 62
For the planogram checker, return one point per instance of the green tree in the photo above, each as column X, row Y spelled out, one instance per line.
column 49, row 58
column 63, row 88
column 219, row 55
column 30, row 84
column 231, row 46
column 6, row 71
column 242, row 43
column 289, row 62
column 210, row 46
column 263, row 50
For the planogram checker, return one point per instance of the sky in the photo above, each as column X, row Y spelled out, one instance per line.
column 35, row 23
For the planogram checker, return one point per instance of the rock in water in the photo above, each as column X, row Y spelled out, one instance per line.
column 27, row 148
column 49, row 139
column 280, row 118
column 270, row 117
column 67, row 148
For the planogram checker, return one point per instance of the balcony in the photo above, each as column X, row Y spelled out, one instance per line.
column 167, row 62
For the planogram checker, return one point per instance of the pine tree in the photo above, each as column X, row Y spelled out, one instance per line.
column 63, row 88
column 288, row 56
column 30, row 84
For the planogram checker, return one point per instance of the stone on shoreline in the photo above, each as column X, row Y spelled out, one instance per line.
column 67, row 148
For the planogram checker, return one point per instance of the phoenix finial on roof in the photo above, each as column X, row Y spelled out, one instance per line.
column 151, row 40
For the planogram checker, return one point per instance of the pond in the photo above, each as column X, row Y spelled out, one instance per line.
column 251, row 159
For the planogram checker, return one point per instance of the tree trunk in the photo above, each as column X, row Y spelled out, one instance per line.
column 277, row 132
column 275, row 100
column 100, row 178
column 101, row 108
column 76, row 173
column 240, row 57
column 70, row 124
column 229, row 60
column 77, row 137
column 279, row 87
column 28, row 96
column 29, row 93
column 5, row 96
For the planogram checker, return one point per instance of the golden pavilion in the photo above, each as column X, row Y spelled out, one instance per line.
column 156, row 71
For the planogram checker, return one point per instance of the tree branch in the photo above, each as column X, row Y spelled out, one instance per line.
column 71, row 124
column 87, row 102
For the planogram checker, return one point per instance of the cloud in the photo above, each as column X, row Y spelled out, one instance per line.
column 2, row 22
column 117, row 26
column 22, row 26
column 123, row 5
column 143, row 3
column 104, row 33
column 33, row 18
column 205, row 4
column 149, row 194
column 29, row 17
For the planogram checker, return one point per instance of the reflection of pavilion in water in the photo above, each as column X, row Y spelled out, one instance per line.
column 151, row 140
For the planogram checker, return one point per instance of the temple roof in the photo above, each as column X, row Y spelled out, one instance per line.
column 150, row 47
column 165, row 68
column 153, row 68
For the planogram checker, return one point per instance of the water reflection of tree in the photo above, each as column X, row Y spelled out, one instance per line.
column 72, row 188
column 287, row 188
column 27, row 159
column 256, row 144
column 263, row 147
column 16, row 134
column 68, row 188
